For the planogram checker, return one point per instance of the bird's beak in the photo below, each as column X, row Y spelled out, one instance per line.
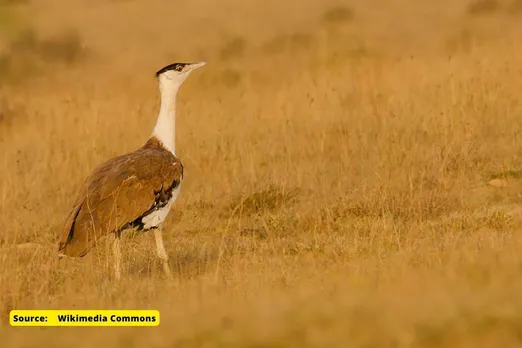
column 194, row 66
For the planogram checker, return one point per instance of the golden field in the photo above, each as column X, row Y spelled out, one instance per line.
column 338, row 163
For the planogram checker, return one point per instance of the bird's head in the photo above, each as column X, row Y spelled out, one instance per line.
column 173, row 75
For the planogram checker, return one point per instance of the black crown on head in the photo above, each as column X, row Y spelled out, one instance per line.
column 174, row 66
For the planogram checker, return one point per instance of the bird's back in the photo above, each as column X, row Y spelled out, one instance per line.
column 118, row 194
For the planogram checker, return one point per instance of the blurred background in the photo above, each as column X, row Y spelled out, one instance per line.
column 353, row 168
column 240, row 38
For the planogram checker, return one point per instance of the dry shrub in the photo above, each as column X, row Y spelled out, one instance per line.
column 233, row 48
column 288, row 43
column 267, row 200
column 230, row 78
column 14, row 2
column 506, row 174
column 9, row 113
column 461, row 43
column 480, row 7
column 515, row 7
column 28, row 54
column 338, row 15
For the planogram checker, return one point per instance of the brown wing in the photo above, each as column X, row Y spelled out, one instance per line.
column 116, row 194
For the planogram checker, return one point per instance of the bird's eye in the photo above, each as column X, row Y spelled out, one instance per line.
column 179, row 68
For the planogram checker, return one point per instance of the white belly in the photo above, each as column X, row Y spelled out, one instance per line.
column 157, row 217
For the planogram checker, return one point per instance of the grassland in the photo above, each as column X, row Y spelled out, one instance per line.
column 337, row 158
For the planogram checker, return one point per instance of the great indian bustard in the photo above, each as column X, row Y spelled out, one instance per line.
column 135, row 190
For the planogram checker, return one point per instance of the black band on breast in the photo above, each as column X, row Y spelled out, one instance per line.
column 162, row 198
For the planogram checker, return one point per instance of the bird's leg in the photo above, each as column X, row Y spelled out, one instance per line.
column 116, row 248
column 161, row 252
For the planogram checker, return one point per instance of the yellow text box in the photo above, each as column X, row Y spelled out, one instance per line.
column 89, row 317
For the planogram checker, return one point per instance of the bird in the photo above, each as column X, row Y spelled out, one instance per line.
column 135, row 190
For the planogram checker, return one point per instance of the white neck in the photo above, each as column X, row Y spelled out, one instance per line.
column 165, row 129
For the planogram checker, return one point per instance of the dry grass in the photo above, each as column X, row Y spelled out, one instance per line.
column 336, row 168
